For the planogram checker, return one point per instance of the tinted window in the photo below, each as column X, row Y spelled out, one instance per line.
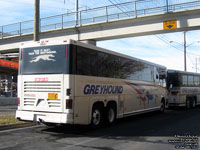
column 173, row 78
column 190, row 80
column 107, row 65
column 196, row 80
column 96, row 63
column 44, row 60
column 184, row 79
column 125, row 68
column 147, row 72
column 86, row 61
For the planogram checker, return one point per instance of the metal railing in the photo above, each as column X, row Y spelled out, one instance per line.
column 109, row 13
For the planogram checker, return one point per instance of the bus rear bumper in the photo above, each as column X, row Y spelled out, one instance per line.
column 45, row 117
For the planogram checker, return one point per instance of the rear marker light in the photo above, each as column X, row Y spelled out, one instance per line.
column 18, row 101
column 68, row 103
column 21, row 54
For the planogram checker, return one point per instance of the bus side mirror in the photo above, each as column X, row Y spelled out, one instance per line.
column 171, row 86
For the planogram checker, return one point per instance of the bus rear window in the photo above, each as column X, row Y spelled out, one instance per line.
column 44, row 60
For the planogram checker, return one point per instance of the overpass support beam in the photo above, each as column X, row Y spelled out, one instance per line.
column 92, row 42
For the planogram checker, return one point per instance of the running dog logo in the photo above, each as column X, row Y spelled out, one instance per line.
column 47, row 57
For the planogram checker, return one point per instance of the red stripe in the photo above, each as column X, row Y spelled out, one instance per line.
column 136, row 89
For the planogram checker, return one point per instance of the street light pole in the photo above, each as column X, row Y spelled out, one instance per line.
column 185, row 46
column 185, row 49
column 167, row 4
column 76, row 10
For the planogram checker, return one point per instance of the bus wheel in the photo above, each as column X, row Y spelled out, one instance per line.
column 193, row 103
column 188, row 105
column 162, row 106
column 97, row 116
column 110, row 114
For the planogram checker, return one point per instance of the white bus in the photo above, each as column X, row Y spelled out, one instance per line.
column 183, row 88
column 77, row 83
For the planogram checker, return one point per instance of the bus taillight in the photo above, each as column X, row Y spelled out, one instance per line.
column 68, row 103
column 21, row 54
column 18, row 101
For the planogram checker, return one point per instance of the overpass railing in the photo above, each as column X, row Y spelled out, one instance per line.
column 109, row 13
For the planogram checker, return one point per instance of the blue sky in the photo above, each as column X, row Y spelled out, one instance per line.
column 150, row 48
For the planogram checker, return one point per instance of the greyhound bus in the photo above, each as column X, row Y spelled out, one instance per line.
column 76, row 83
column 183, row 88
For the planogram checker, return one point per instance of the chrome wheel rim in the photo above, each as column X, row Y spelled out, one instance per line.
column 111, row 115
column 194, row 104
column 96, row 117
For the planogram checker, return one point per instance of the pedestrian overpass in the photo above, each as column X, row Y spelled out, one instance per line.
column 130, row 19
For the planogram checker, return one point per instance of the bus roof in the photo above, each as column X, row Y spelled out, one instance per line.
column 64, row 42
column 182, row 72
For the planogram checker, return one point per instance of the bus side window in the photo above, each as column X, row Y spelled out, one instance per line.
column 196, row 80
column 190, row 80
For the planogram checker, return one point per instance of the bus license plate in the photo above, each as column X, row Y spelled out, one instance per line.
column 52, row 95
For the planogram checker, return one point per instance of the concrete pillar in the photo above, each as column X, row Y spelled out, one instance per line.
column 92, row 42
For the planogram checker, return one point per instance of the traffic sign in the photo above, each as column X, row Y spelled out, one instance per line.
column 170, row 24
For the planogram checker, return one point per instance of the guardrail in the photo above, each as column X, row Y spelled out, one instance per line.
column 132, row 9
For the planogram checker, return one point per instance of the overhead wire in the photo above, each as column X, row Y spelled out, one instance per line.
column 20, row 3
column 173, row 45
column 118, row 7
column 168, row 43
column 117, row 2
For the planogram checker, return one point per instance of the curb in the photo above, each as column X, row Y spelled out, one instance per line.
column 17, row 125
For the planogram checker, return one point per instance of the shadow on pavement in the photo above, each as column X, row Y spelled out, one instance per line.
column 179, row 122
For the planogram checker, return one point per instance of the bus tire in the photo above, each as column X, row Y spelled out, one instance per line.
column 188, row 104
column 97, row 116
column 110, row 114
column 193, row 103
column 162, row 106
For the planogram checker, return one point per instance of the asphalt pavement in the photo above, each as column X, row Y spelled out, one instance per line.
column 151, row 131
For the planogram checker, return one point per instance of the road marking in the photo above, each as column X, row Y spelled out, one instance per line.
column 10, row 130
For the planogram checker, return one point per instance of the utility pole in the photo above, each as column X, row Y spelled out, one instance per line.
column 185, row 46
column 196, row 63
column 167, row 4
column 76, row 11
column 37, row 20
